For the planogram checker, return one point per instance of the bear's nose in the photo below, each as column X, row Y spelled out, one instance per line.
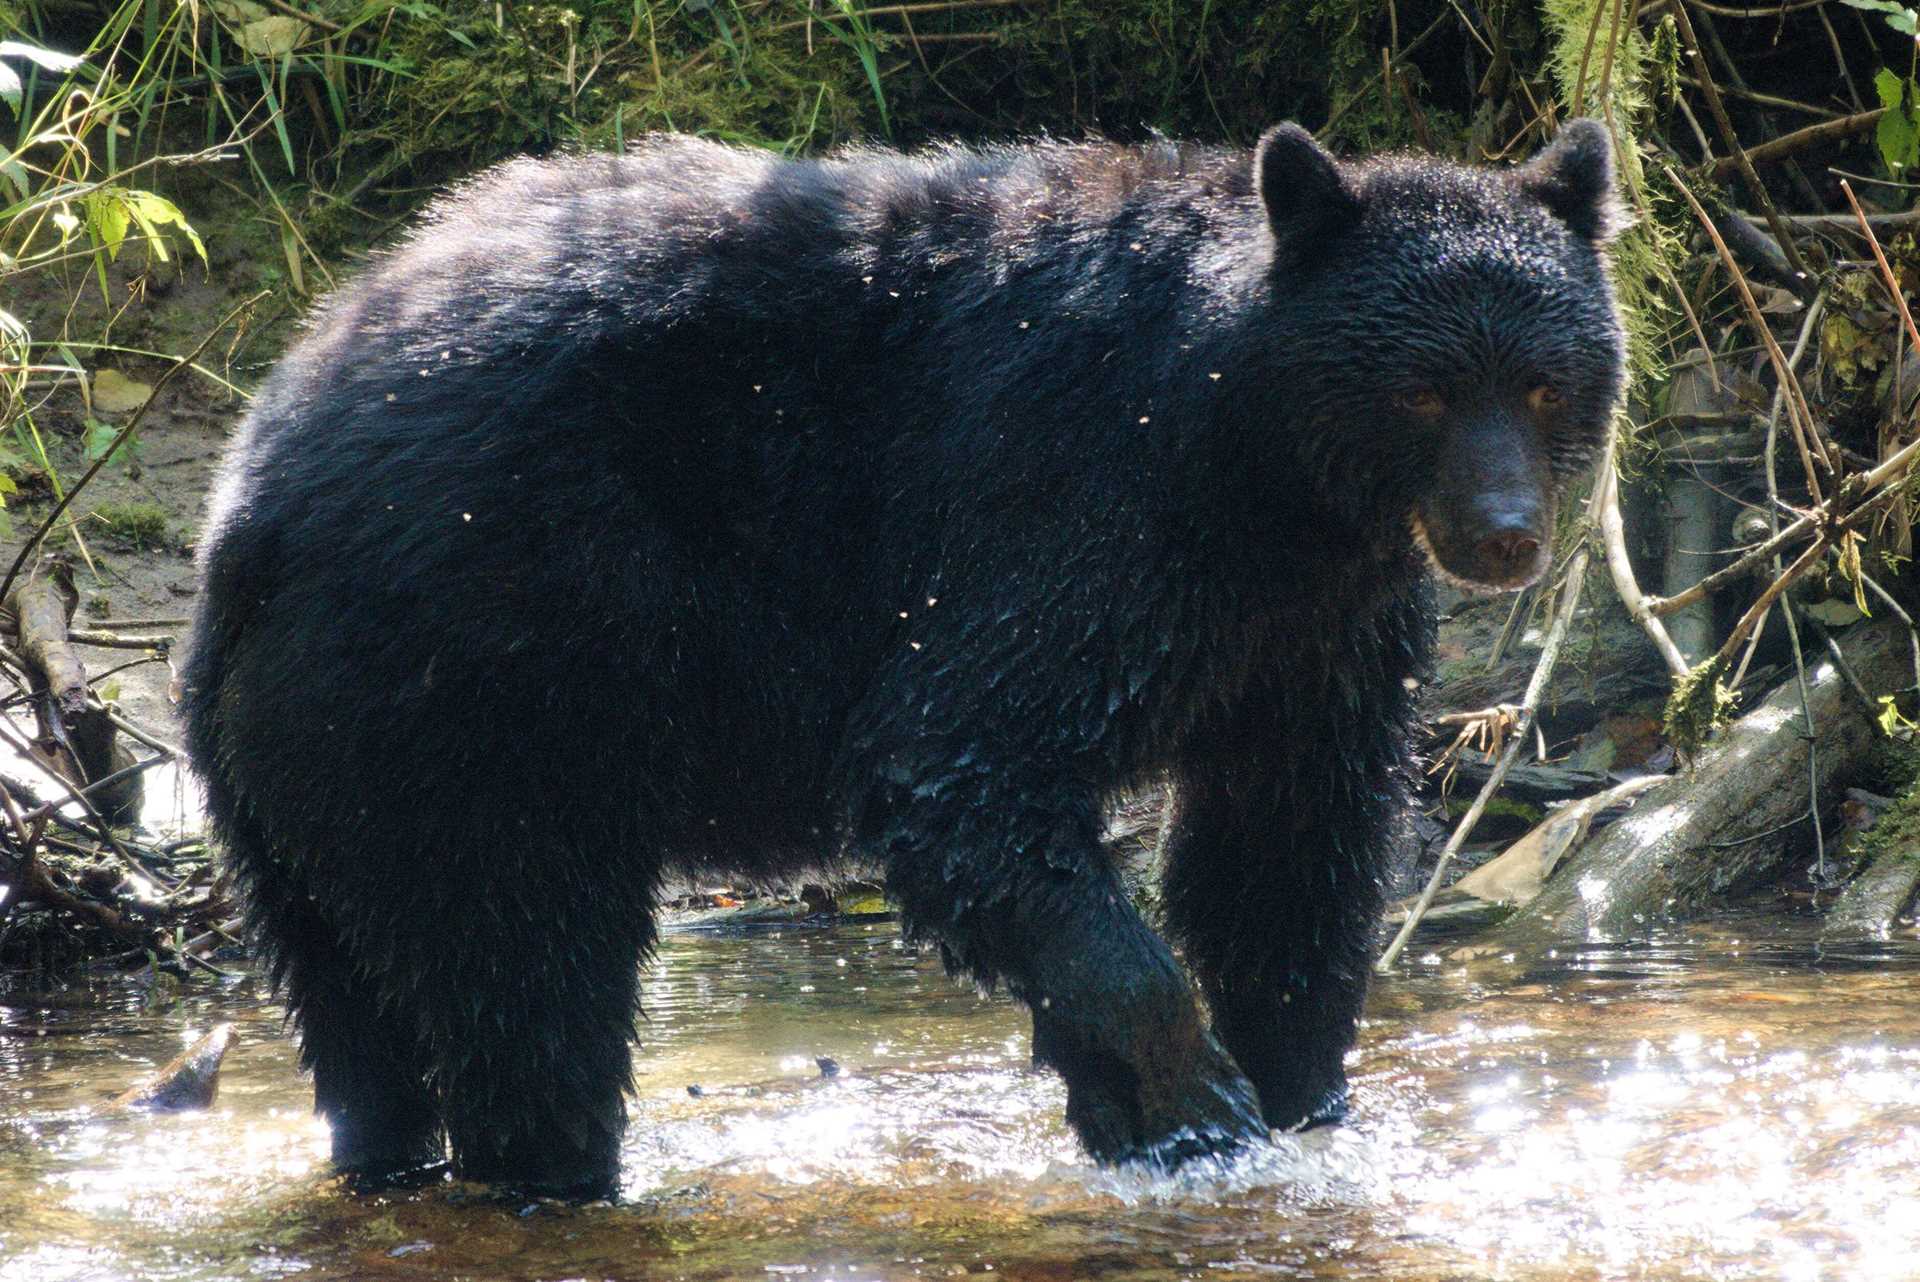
column 1509, row 553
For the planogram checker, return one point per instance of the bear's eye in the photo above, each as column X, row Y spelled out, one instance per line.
column 1426, row 402
column 1546, row 399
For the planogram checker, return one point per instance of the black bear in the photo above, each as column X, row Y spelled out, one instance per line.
column 699, row 509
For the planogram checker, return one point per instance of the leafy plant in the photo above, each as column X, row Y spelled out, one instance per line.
column 64, row 202
column 1898, row 133
column 134, row 525
column 858, row 35
column 1897, row 16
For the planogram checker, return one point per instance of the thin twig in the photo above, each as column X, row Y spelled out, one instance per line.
column 1832, row 528
column 1840, row 59
column 1522, row 603
column 1913, row 634
column 1786, row 607
column 1799, row 140
column 331, row 28
column 1768, row 100
column 1806, row 436
column 1868, row 704
column 1570, row 591
column 1751, row 619
column 1879, row 256
column 1334, row 117
column 1750, row 11
column 101, row 784
column 140, row 734
column 102, row 830
column 1746, row 655
column 1768, row 457
column 1718, row 110
column 1861, row 482
column 895, row 11
column 1529, row 705
column 115, row 641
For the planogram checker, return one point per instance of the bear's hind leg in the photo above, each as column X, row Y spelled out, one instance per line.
column 371, row 1080
column 538, row 1056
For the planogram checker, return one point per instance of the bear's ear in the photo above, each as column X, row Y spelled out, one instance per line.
column 1573, row 178
column 1300, row 184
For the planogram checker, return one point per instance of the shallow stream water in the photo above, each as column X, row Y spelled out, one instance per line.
column 1723, row 1103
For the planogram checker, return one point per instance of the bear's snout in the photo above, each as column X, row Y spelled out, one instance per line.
column 1487, row 522
column 1487, row 542
column 1509, row 548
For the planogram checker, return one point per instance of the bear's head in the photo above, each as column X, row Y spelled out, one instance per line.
column 1452, row 351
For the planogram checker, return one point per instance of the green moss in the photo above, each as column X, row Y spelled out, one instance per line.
column 1892, row 767
column 138, row 526
column 1700, row 704
column 1498, row 807
column 778, row 75
column 1621, row 89
column 1899, row 828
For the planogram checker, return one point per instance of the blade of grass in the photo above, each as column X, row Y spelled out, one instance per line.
column 278, row 116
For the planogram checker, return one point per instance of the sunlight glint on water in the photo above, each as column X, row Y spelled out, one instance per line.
column 1685, row 1111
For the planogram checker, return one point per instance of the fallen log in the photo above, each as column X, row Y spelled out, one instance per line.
column 1736, row 815
column 1530, row 783
column 1872, row 902
column 76, row 738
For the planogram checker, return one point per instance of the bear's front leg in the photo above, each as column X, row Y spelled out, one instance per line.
column 1284, row 830
column 1013, row 883
column 1277, row 922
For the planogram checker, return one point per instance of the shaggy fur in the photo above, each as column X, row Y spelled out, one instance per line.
column 701, row 509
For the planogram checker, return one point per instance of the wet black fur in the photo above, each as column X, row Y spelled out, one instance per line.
column 703, row 509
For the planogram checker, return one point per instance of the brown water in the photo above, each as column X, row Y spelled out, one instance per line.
column 1710, row 1106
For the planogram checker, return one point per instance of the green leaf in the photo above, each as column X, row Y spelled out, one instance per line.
column 106, row 219
column 1898, row 132
column 1898, row 140
column 1888, row 86
column 115, row 393
column 272, row 36
column 154, row 212
column 1898, row 16
column 98, row 439
column 1890, row 719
